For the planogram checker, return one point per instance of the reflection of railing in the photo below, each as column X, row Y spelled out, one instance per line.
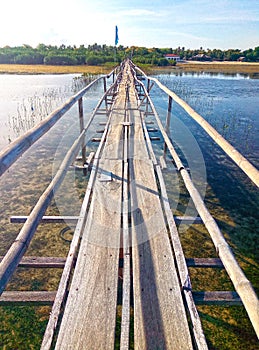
column 9, row 155
column 240, row 282
column 237, row 157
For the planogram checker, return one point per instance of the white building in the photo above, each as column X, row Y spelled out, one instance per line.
column 172, row 56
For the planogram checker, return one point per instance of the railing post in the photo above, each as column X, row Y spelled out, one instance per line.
column 168, row 121
column 147, row 103
column 148, row 85
column 105, row 90
column 104, row 85
column 81, row 121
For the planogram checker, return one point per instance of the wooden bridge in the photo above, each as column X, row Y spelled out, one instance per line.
column 125, row 232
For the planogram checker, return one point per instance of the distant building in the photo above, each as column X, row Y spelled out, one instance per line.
column 201, row 57
column 172, row 56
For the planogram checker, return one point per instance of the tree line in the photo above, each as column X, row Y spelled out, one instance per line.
column 101, row 54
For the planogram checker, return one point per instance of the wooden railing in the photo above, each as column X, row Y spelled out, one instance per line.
column 239, row 280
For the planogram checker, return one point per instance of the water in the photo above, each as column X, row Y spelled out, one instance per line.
column 19, row 95
column 229, row 103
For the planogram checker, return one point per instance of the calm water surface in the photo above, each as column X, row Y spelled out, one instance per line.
column 229, row 103
column 20, row 95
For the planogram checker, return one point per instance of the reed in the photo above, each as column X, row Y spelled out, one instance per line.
column 35, row 108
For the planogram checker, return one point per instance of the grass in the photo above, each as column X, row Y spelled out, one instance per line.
column 208, row 67
column 217, row 67
column 44, row 69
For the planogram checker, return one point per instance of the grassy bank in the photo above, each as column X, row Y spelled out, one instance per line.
column 44, row 69
column 217, row 67
column 209, row 67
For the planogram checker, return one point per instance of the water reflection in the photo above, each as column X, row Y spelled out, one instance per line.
column 202, row 74
column 228, row 102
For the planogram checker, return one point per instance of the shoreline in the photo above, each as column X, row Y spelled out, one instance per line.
column 193, row 66
column 213, row 67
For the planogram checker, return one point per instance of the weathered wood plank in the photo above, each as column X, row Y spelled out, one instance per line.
column 158, row 305
column 46, row 219
column 25, row 298
column 93, row 291
column 187, row 220
column 204, row 262
column 72, row 219
column 178, row 253
column 225, row 298
column 41, row 262
column 65, row 278
column 126, row 243
column 21, row 298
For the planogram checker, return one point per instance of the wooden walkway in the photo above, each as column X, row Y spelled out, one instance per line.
column 89, row 319
column 125, row 261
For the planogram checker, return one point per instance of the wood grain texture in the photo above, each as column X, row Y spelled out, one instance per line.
column 158, row 305
column 93, row 291
column 20, row 298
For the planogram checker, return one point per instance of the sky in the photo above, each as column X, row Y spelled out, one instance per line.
column 221, row 24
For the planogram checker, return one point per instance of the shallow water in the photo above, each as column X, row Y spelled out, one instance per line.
column 230, row 103
column 21, row 95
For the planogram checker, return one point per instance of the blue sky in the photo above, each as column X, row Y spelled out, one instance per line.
column 190, row 23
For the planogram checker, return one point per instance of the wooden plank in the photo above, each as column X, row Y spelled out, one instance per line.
column 41, row 262
column 204, row 262
column 225, row 298
column 21, row 298
column 93, row 291
column 96, row 139
column 158, row 304
column 65, row 278
column 155, row 138
column 187, row 220
column 179, row 254
column 126, row 243
column 46, row 219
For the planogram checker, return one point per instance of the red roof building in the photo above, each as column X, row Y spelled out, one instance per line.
column 172, row 56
